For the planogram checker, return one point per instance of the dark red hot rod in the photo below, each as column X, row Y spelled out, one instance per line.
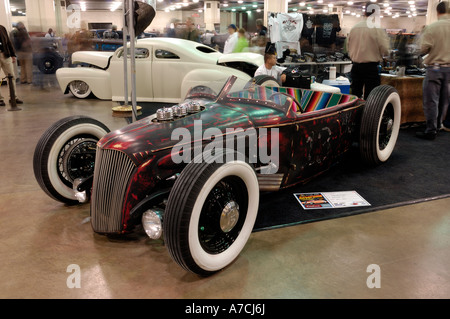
column 193, row 173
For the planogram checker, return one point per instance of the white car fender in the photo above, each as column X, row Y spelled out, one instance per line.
column 97, row 79
column 212, row 78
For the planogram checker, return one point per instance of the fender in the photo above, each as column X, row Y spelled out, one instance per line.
column 97, row 79
column 213, row 79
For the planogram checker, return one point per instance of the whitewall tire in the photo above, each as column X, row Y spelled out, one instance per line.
column 210, row 214
column 380, row 124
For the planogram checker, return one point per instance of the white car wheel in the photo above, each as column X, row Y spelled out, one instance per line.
column 210, row 214
column 80, row 89
column 66, row 151
column 380, row 124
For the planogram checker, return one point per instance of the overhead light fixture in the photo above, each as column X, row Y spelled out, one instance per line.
column 83, row 6
column 115, row 5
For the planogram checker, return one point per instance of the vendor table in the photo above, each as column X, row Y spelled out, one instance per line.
column 411, row 94
column 341, row 66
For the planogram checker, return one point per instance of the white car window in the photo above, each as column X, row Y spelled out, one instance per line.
column 164, row 54
column 139, row 53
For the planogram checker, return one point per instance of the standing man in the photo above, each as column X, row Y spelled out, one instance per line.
column 191, row 32
column 261, row 29
column 7, row 58
column 435, row 42
column 271, row 68
column 231, row 40
column 366, row 45
column 24, row 50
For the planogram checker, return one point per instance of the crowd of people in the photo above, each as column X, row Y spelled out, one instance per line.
column 366, row 47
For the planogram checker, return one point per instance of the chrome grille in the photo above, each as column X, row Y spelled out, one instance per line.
column 111, row 175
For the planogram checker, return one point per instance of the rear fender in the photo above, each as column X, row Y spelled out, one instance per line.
column 214, row 79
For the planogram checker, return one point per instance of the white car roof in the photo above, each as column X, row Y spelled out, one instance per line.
column 187, row 50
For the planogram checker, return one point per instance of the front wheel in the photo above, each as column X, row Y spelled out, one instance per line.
column 380, row 125
column 210, row 214
column 80, row 89
column 66, row 152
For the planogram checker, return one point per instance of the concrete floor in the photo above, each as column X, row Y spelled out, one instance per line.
column 41, row 238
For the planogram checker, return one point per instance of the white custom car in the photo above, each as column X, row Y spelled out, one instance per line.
column 166, row 68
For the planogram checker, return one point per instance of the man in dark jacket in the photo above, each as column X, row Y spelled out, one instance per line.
column 7, row 58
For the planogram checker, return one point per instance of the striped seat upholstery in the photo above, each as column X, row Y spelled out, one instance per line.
column 315, row 100
column 309, row 100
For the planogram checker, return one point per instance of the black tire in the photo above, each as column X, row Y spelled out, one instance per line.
column 210, row 214
column 68, row 143
column 48, row 64
column 380, row 125
column 263, row 80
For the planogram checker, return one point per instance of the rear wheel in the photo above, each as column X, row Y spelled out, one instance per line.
column 380, row 124
column 210, row 214
column 65, row 152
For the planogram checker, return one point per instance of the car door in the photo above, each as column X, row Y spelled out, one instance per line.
column 315, row 146
column 144, row 86
column 168, row 71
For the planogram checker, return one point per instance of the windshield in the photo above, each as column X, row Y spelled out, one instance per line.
column 231, row 90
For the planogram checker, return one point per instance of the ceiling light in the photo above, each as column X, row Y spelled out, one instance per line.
column 115, row 5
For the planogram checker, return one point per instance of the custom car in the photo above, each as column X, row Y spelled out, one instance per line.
column 192, row 173
column 166, row 68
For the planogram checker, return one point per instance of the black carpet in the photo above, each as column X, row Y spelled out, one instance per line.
column 417, row 171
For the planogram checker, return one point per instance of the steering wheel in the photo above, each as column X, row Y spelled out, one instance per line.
column 299, row 107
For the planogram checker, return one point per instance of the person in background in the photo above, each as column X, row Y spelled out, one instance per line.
column 111, row 34
column 367, row 45
column 191, row 32
column 22, row 43
column 207, row 37
column 232, row 39
column 261, row 29
column 271, row 68
column 50, row 33
column 242, row 41
column 7, row 58
column 435, row 42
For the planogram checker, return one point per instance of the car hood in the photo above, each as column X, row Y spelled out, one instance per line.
column 145, row 138
column 249, row 57
column 97, row 58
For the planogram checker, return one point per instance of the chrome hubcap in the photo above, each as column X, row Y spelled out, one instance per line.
column 80, row 87
column 229, row 216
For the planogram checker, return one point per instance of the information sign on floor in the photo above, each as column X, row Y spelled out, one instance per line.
column 330, row 200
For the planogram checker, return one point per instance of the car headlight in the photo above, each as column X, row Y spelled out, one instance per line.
column 80, row 196
column 152, row 223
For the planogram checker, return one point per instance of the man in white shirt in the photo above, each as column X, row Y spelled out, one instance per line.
column 232, row 39
column 49, row 33
column 271, row 68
